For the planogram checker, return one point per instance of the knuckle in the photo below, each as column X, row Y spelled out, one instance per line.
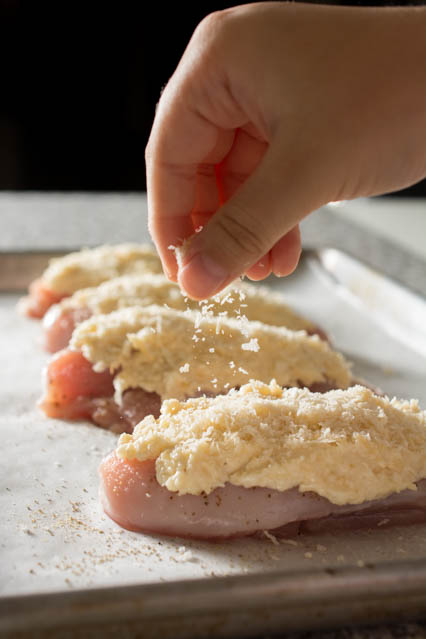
column 215, row 27
column 211, row 22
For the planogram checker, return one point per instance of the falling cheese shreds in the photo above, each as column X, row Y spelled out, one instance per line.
column 124, row 342
column 348, row 446
column 252, row 345
column 90, row 267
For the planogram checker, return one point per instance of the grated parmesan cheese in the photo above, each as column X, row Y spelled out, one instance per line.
column 252, row 345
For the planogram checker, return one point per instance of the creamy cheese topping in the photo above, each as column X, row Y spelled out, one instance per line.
column 90, row 267
column 255, row 302
column 180, row 354
column 129, row 290
column 349, row 446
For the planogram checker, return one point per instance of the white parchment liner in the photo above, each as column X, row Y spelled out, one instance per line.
column 53, row 534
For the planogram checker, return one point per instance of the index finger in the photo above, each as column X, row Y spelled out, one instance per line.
column 182, row 151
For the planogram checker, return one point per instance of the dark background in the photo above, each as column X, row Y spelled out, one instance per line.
column 78, row 86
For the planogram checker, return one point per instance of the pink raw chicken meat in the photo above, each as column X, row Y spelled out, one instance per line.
column 59, row 324
column 73, row 390
column 132, row 497
column 39, row 300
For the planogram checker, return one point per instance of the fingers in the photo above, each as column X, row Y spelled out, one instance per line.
column 286, row 252
column 281, row 260
column 261, row 269
column 245, row 229
column 193, row 131
column 246, row 153
column 178, row 181
column 183, row 193
column 182, row 151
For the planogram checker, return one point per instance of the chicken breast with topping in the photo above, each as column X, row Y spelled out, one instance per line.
column 266, row 458
column 121, row 366
column 254, row 302
column 88, row 267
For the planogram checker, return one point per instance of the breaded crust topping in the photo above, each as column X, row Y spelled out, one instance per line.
column 90, row 267
column 142, row 289
column 180, row 354
column 255, row 302
column 349, row 446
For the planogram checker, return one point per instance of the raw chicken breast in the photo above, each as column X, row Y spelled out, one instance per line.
column 73, row 390
column 59, row 324
column 133, row 498
column 39, row 300
column 266, row 458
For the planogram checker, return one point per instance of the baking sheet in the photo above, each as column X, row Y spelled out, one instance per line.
column 55, row 539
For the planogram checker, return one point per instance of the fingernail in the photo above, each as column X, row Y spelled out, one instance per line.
column 202, row 277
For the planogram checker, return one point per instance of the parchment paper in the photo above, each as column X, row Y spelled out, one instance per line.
column 53, row 535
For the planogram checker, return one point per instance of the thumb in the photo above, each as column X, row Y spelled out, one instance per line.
column 266, row 207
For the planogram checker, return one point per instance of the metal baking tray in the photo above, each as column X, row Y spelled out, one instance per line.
column 65, row 565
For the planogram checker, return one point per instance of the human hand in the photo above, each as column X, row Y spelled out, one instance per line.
column 274, row 110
